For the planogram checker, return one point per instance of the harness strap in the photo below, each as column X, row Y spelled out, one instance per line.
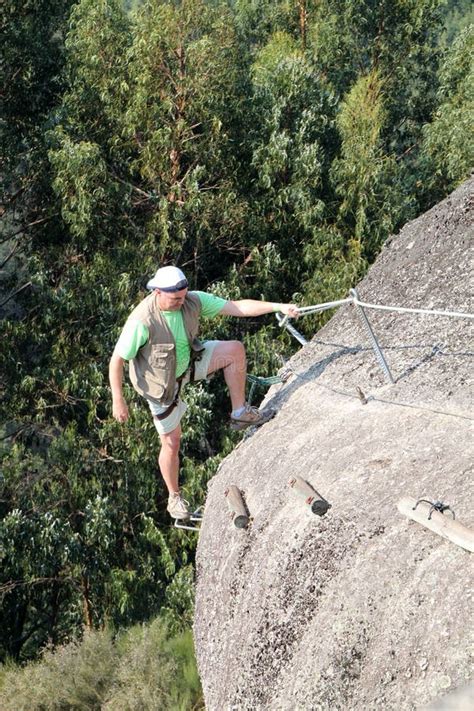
column 174, row 404
column 192, row 377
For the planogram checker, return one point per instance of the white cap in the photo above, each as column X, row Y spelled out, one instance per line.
column 168, row 279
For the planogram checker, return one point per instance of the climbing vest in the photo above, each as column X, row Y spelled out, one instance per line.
column 153, row 370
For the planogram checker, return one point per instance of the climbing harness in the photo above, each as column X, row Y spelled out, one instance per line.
column 175, row 402
column 191, row 371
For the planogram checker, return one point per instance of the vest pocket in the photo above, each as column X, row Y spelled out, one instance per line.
column 160, row 354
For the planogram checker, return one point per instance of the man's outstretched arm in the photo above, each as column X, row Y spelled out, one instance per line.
column 251, row 307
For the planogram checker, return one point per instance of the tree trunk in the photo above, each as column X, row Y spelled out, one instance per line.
column 303, row 21
column 86, row 602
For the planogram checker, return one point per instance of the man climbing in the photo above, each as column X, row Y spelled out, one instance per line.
column 160, row 342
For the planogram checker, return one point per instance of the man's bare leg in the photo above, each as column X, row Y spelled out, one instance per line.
column 229, row 356
column 169, row 459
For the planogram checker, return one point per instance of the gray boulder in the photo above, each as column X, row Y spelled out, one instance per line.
column 361, row 608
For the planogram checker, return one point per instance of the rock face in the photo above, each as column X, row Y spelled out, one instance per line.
column 362, row 608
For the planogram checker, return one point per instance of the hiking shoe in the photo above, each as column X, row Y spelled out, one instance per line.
column 178, row 507
column 251, row 417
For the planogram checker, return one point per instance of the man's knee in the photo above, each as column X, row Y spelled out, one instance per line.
column 238, row 349
column 236, row 357
column 171, row 441
column 227, row 353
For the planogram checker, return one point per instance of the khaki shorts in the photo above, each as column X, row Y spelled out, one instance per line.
column 201, row 369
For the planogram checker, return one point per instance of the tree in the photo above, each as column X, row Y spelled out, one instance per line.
column 82, row 525
column 291, row 148
column 33, row 57
column 448, row 142
column 154, row 134
column 457, row 15
column 33, row 54
column 398, row 41
column 365, row 178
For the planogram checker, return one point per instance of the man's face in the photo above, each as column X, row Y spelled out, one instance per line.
column 170, row 301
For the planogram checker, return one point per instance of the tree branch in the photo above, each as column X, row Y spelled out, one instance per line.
column 27, row 227
column 12, row 584
column 25, row 286
column 7, row 259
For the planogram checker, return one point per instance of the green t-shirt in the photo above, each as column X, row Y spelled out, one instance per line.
column 135, row 334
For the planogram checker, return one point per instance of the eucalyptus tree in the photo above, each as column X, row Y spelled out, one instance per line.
column 292, row 149
column 139, row 169
column 32, row 61
column 367, row 178
column 268, row 147
column 335, row 154
column 448, row 140
column 33, row 54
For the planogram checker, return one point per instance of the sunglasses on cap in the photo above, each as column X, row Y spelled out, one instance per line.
column 183, row 284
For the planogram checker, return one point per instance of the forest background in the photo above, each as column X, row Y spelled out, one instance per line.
column 266, row 147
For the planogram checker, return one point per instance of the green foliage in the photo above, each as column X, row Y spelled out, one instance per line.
column 154, row 672
column 358, row 171
column 184, row 68
column 257, row 20
column 333, row 264
column 397, row 40
column 269, row 148
column 457, row 15
column 81, row 535
column 448, row 139
column 33, row 48
column 75, row 676
column 363, row 35
column 96, row 45
column 290, row 153
column 179, row 607
column 143, row 668
column 80, row 175
column 365, row 177
column 32, row 65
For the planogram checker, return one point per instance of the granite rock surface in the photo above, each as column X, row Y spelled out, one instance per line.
column 362, row 608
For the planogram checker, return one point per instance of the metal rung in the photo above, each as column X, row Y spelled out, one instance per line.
column 196, row 516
